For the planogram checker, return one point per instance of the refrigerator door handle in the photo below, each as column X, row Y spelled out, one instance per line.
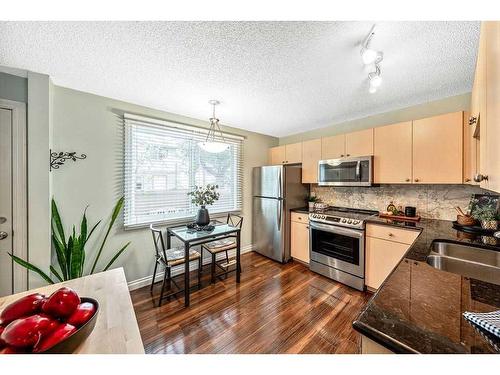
column 279, row 214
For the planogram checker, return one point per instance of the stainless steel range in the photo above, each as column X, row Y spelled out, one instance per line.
column 337, row 244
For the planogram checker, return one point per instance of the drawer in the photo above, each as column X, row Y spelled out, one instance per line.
column 300, row 218
column 389, row 233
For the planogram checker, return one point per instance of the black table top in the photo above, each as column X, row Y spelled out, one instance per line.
column 418, row 309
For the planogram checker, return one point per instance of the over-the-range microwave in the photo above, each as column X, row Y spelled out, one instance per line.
column 350, row 171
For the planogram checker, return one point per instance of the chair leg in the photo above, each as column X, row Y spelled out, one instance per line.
column 154, row 276
column 227, row 261
column 200, row 265
column 167, row 272
column 213, row 268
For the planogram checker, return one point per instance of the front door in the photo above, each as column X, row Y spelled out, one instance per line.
column 6, row 266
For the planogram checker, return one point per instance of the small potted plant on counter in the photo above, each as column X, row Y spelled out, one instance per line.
column 487, row 216
column 312, row 200
column 204, row 196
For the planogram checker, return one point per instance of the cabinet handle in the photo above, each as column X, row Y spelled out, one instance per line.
column 342, row 155
column 480, row 177
column 348, row 155
column 472, row 120
column 307, row 227
column 407, row 180
column 417, row 180
column 391, row 235
column 467, row 180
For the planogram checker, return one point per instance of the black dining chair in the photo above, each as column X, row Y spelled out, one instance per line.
column 223, row 245
column 170, row 258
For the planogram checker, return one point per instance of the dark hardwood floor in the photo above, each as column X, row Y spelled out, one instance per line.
column 276, row 309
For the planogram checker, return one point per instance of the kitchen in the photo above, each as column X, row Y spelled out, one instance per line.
column 375, row 234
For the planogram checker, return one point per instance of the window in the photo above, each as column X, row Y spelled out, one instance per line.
column 163, row 162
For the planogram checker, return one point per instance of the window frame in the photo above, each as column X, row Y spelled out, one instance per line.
column 181, row 126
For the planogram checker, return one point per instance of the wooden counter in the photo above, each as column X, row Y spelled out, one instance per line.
column 116, row 330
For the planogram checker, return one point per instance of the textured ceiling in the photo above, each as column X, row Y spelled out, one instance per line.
column 276, row 78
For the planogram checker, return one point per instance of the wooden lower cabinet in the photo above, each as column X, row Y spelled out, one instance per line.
column 299, row 241
column 383, row 254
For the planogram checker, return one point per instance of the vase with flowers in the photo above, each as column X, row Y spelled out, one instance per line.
column 204, row 196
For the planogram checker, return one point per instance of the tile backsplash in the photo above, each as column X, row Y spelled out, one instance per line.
column 431, row 201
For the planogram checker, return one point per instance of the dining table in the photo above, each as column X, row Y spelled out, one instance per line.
column 194, row 236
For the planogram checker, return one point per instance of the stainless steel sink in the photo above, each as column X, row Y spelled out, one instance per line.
column 469, row 261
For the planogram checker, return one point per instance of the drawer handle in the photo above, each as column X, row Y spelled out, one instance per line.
column 391, row 235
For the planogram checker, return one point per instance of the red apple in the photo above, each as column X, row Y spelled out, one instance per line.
column 11, row 350
column 62, row 303
column 82, row 314
column 61, row 333
column 24, row 306
column 26, row 332
column 2, row 344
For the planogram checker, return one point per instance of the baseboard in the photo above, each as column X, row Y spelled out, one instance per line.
column 139, row 283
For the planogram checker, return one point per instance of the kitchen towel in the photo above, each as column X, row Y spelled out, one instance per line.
column 488, row 321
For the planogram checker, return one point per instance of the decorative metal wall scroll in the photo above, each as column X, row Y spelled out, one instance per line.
column 59, row 158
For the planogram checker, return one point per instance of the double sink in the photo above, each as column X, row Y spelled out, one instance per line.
column 466, row 260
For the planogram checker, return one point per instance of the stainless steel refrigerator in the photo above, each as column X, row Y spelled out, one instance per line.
column 276, row 190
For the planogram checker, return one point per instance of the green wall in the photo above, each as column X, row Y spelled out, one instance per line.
column 437, row 107
column 13, row 88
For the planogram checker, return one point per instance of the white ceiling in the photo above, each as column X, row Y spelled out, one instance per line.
column 276, row 78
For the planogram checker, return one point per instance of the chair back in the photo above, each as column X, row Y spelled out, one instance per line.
column 234, row 220
column 158, row 241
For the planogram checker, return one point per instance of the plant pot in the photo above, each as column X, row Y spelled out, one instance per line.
column 311, row 205
column 202, row 218
column 489, row 224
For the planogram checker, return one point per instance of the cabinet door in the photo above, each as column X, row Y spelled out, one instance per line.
column 299, row 241
column 471, row 152
column 359, row 143
column 437, row 149
column 311, row 154
column 381, row 258
column 479, row 109
column 293, row 153
column 277, row 155
column 333, row 147
column 492, row 151
column 393, row 153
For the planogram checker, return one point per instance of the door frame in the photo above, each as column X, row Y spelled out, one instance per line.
column 19, row 190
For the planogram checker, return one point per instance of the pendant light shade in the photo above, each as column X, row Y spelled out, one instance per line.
column 214, row 143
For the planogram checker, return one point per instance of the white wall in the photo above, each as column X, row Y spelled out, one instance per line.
column 93, row 125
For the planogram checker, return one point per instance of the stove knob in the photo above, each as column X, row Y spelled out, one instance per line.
column 355, row 222
column 343, row 220
column 323, row 217
column 349, row 221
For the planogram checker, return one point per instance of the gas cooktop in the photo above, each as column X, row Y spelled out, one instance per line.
column 343, row 216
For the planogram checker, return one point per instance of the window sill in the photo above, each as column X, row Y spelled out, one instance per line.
column 175, row 222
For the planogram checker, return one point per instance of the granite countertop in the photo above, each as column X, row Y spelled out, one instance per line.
column 418, row 309
column 302, row 210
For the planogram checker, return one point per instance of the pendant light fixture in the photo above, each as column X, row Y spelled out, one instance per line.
column 214, row 143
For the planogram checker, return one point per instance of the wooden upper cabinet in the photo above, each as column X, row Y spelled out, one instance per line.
column 311, row 155
column 471, row 152
column 490, row 153
column 277, row 155
column 393, row 153
column 437, row 149
column 293, row 153
column 333, row 147
column 359, row 143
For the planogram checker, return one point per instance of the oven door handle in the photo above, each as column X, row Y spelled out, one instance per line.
column 337, row 230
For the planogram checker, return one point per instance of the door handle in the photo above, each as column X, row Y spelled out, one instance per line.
column 3, row 235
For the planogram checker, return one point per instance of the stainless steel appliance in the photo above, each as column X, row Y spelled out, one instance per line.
column 276, row 190
column 355, row 171
column 337, row 244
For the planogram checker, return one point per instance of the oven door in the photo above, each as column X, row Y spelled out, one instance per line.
column 346, row 172
column 337, row 247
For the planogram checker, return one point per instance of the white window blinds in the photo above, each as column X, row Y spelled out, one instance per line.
column 163, row 162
